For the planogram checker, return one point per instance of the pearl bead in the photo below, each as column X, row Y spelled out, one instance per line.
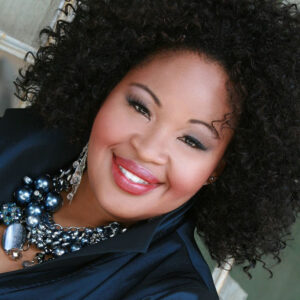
column 43, row 183
column 34, row 209
column 53, row 202
column 32, row 221
column 23, row 195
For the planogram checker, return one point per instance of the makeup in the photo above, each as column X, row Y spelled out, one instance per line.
column 131, row 177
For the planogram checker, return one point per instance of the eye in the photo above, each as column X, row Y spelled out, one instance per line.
column 139, row 106
column 192, row 142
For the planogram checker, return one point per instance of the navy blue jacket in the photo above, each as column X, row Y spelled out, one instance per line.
column 155, row 259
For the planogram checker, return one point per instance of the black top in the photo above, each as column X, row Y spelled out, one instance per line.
column 155, row 259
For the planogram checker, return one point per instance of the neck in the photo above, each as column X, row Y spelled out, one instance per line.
column 84, row 210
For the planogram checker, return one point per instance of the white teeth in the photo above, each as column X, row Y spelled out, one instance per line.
column 132, row 177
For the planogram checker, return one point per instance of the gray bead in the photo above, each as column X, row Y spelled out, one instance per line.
column 66, row 244
column 43, row 183
column 14, row 237
column 88, row 231
column 75, row 247
column 55, row 244
column 84, row 241
column 40, row 232
column 48, row 241
column 27, row 180
column 37, row 195
column 59, row 251
column 40, row 245
column 47, row 251
column 23, row 195
column 41, row 227
column 33, row 241
column 115, row 226
column 56, row 234
column 53, row 202
column 39, row 239
column 34, row 209
column 27, row 264
column 32, row 221
column 66, row 237
column 15, row 254
column 48, row 232
column 74, row 235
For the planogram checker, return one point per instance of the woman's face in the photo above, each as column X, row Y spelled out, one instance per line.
column 151, row 147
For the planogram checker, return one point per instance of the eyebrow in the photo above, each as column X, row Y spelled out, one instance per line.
column 157, row 101
column 210, row 127
column 145, row 88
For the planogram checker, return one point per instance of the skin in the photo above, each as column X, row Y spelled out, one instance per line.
column 188, row 86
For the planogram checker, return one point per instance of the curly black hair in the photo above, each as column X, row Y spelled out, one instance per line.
column 248, row 212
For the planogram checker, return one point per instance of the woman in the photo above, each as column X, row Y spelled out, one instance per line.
column 177, row 114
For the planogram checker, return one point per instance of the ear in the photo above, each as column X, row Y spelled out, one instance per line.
column 217, row 172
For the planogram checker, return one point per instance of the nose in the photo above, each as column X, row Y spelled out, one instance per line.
column 151, row 146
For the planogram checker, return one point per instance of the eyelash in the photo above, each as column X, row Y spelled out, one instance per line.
column 141, row 108
column 192, row 142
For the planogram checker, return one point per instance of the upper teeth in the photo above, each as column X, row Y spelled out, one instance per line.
column 132, row 177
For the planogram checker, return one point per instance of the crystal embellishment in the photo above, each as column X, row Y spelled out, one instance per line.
column 14, row 237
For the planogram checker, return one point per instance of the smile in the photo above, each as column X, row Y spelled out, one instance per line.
column 131, row 177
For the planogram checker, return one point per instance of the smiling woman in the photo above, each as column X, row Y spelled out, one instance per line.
column 148, row 119
column 158, row 136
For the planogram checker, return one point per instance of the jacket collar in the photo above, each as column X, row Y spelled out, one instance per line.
column 138, row 238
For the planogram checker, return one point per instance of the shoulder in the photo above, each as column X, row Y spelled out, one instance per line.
column 17, row 122
column 23, row 130
column 28, row 148
column 177, row 269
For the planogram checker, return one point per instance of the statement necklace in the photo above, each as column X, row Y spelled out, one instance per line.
column 29, row 219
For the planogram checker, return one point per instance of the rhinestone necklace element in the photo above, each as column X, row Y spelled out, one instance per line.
column 29, row 220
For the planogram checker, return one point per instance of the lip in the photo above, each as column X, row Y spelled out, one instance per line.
column 126, row 184
column 136, row 169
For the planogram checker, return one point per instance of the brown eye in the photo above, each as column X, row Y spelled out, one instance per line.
column 192, row 142
column 139, row 106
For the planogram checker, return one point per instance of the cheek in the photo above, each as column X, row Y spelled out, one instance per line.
column 107, row 126
column 187, row 178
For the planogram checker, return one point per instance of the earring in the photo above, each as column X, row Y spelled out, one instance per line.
column 79, row 165
column 212, row 179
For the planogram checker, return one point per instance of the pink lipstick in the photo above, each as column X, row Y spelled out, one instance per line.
column 128, row 182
